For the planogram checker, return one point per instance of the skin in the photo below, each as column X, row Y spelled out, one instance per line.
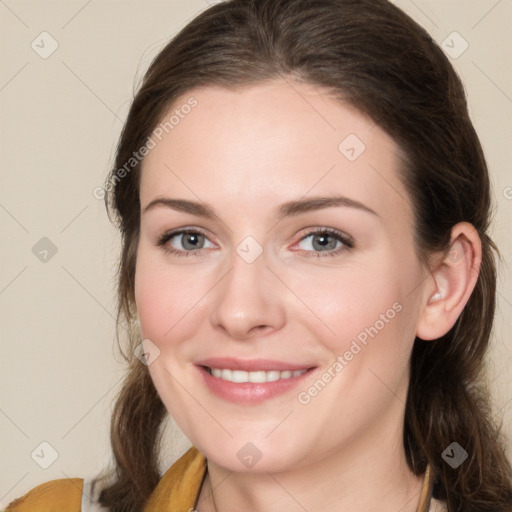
column 244, row 153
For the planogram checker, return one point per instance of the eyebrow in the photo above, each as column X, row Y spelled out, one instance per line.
column 287, row 209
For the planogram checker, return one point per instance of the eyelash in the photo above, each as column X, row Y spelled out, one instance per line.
column 346, row 240
column 162, row 241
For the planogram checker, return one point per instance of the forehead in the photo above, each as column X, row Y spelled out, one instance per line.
column 272, row 142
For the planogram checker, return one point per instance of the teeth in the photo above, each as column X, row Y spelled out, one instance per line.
column 239, row 376
column 225, row 374
column 258, row 377
column 273, row 375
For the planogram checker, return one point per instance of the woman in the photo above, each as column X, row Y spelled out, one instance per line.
column 306, row 273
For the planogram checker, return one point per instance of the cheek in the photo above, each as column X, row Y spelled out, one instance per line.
column 152, row 300
column 365, row 314
column 166, row 300
column 368, row 330
column 345, row 304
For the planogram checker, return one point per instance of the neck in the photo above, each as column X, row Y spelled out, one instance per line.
column 370, row 473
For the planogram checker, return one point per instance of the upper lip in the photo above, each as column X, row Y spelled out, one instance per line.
column 251, row 365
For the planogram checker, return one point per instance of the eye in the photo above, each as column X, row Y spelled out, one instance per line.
column 325, row 240
column 184, row 242
column 320, row 242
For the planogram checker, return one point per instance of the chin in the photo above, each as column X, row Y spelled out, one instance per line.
column 243, row 455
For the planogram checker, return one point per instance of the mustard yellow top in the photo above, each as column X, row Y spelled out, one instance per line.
column 178, row 490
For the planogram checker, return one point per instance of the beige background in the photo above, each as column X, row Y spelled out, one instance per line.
column 61, row 117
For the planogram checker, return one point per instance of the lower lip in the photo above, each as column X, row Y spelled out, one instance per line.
column 249, row 392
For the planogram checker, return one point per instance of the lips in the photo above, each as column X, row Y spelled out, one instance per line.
column 250, row 381
column 251, row 365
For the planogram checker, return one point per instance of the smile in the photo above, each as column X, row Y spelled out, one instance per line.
column 251, row 382
column 255, row 377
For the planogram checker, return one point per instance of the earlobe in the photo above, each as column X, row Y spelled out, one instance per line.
column 451, row 283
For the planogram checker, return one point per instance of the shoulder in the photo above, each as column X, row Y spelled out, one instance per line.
column 63, row 495
column 179, row 487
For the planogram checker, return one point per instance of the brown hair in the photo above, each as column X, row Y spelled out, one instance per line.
column 372, row 55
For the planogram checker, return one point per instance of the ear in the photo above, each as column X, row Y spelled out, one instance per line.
column 451, row 284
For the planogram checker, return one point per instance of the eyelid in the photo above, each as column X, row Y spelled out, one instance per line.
column 346, row 240
column 163, row 239
column 341, row 235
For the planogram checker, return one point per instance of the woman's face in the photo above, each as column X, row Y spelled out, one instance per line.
column 281, row 323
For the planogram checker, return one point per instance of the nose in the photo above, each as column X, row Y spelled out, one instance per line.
column 247, row 300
